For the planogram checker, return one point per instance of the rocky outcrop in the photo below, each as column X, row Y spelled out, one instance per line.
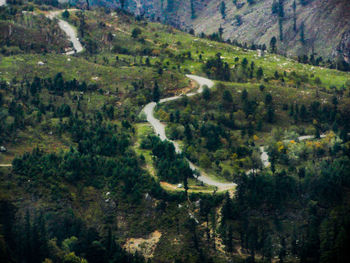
column 344, row 46
column 324, row 24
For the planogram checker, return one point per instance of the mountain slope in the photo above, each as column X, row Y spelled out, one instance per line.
column 324, row 24
column 91, row 180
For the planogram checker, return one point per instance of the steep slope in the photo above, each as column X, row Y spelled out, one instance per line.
column 324, row 24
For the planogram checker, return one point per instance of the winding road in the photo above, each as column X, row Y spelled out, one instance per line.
column 72, row 36
column 6, row 165
column 68, row 29
column 159, row 129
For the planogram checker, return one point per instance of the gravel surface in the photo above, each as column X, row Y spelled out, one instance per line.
column 69, row 30
column 159, row 129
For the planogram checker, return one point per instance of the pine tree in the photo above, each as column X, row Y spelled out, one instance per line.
column 229, row 243
column 156, row 92
column 193, row 11
column 273, row 42
column 223, row 9
column 259, row 73
column 294, row 16
column 280, row 24
column 206, row 93
column 302, row 33
column 65, row 14
column 27, row 236
column 188, row 132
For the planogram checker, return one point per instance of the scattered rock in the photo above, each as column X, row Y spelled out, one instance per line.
column 148, row 197
column 197, row 203
column 145, row 246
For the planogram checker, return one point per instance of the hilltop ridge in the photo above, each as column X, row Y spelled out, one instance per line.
column 317, row 27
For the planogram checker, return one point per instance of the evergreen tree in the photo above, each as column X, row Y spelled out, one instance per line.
column 270, row 114
column 156, row 92
column 259, row 73
column 223, row 9
column 274, row 7
column 136, row 32
column 65, row 14
column 244, row 95
column 206, row 93
column 294, row 16
column 193, row 11
column 273, row 42
column 280, row 25
column 302, row 33
column 188, row 132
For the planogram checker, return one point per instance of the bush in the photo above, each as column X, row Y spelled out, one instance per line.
column 65, row 14
column 136, row 32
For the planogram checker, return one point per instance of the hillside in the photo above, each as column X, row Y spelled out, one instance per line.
column 324, row 34
column 98, row 146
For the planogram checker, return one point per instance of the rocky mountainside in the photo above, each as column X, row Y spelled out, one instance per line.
column 319, row 27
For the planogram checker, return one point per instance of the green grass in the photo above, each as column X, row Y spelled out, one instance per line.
column 166, row 44
column 143, row 130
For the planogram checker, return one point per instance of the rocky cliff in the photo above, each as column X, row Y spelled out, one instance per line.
column 301, row 27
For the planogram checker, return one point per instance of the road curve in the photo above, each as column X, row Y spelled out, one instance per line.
column 69, row 30
column 159, row 129
column 265, row 157
column 6, row 165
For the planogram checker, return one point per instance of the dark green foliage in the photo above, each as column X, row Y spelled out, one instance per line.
column 206, row 93
column 227, row 97
column 170, row 6
column 274, row 7
column 280, row 8
column 244, row 95
column 223, row 9
column 136, row 32
column 302, row 33
column 64, row 111
column 280, row 25
column 65, row 14
column 171, row 167
column 273, row 43
column 39, row 235
column 239, row 20
column 217, row 69
column 156, row 92
column 244, row 62
column 259, row 73
column 268, row 99
column 91, row 45
column 294, row 16
column 193, row 11
column 212, row 133
column 305, row 2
